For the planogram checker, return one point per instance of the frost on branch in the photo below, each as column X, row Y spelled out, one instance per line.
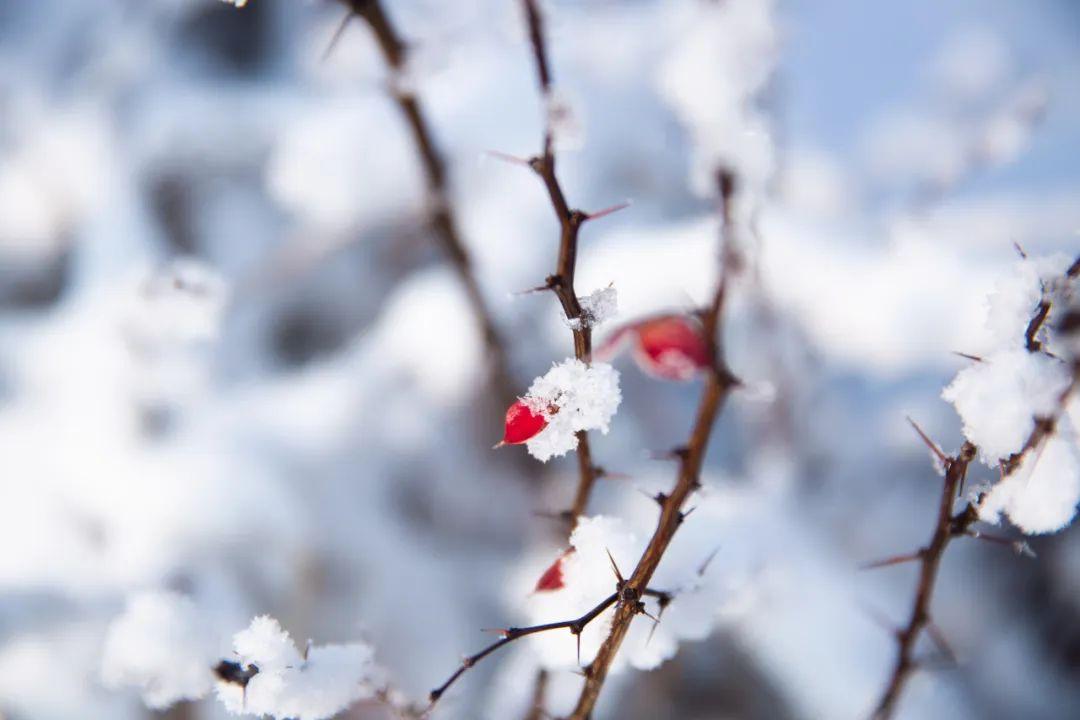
column 318, row 685
column 596, row 307
column 572, row 396
column 160, row 646
column 1041, row 495
column 1013, row 401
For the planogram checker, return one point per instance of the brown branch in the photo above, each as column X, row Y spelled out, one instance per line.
column 561, row 283
column 718, row 384
column 536, row 707
column 442, row 219
column 929, row 557
column 951, row 525
column 509, row 635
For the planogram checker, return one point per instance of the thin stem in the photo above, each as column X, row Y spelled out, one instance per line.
column 561, row 283
column 951, row 525
column 442, row 219
column 718, row 384
column 536, row 707
column 930, row 562
column 575, row 626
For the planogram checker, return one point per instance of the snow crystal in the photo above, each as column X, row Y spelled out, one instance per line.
column 999, row 398
column 1042, row 494
column 572, row 396
column 328, row 680
column 596, row 307
column 160, row 646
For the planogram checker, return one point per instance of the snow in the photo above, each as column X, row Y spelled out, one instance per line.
column 999, row 398
column 730, row 50
column 573, row 397
column 315, row 686
column 596, row 307
column 161, row 646
column 237, row 377
column 1041, row 495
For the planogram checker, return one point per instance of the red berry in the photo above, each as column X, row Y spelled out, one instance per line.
column 671, row 347
column 522, row 424
column 552, row 579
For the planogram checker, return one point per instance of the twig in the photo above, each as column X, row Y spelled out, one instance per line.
column 562, row 281
column 951, row 525
column 442, row 219
column 929, row 557
column 509, row 635
column 536, row 708
column 718, row 384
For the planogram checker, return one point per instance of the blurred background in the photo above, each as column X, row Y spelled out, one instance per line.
column 234, row 364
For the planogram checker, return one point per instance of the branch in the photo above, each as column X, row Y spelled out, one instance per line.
column 536, row 708
column 929, row 557
column 570, row 221
column 950, row 525
column 442, row 219
column 718, row 384
column 509, row 635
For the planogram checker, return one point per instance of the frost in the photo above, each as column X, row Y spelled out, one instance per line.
column 596, row 307
column 572, row 396
column 999, row 398
column 320, row 685
column 160, row 645
column 1042, row 494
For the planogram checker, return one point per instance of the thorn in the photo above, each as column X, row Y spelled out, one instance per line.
column 618, row 575
column 1023, row 549
column 966, row 356
column 338, row 33
column 938, row 452
column 1020, row 250
column 563, row 516
column 607, row 211
column 879, row 618
column 893, row 560
column 660, row 498
column 497, row 631
column 578, row 636
column 674, row 454
column 508, row 158
column 708, row 561
column 686, row 514
column 307, row 648
column 656, row 621
column 643, row 611
column 531, row 291
column 498, row 445
column 942, row 643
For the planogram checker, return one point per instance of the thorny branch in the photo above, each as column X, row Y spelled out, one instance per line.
column 509, row 635
column 950, row 525
column 562, row 281
column 718, row 384
column 443, row 222
column 576, row 626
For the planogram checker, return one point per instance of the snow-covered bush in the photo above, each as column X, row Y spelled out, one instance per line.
column 254, row 355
